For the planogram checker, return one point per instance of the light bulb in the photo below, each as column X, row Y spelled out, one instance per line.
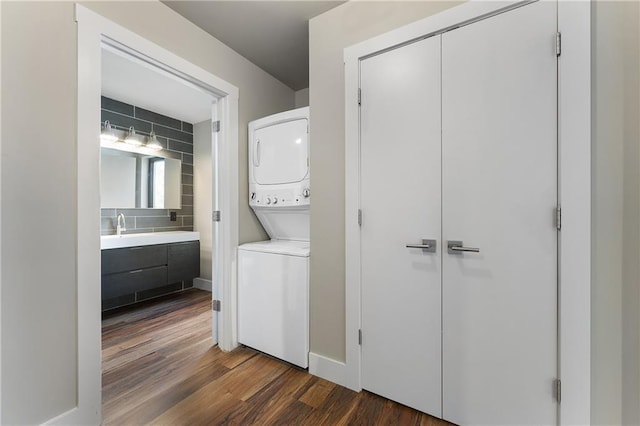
column 153, row 142
column 132, row 138
column 108, row 134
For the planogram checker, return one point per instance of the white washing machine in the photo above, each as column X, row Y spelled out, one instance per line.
column 273, row 299
column 273, row 276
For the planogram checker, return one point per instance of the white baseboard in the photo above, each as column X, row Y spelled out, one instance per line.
column 332, row 370
column 77, row 416
column 64, row 418
column 203, row 284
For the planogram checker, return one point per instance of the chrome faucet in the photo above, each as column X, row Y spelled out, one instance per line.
column 120, row 228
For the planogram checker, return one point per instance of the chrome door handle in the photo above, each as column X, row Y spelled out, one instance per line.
column 456, row 247
column 428, row 246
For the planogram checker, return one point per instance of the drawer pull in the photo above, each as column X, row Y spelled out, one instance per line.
column 136, row 271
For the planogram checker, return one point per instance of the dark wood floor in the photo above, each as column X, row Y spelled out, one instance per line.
column 158, row 367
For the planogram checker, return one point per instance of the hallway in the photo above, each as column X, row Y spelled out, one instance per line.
column 155, row 373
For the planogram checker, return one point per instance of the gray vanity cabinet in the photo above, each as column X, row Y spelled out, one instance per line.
column 183, row 261
column 133, row 274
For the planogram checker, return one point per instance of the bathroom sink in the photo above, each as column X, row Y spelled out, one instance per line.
column 146, row 239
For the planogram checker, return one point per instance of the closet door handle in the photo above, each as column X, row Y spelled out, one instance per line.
column 456, row 247
column 428, row 246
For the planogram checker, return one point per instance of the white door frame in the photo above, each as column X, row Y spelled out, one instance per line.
column 574, row 175
column 93, row 31
column 0, row 231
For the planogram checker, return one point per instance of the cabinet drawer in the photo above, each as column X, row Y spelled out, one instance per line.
column 184, row 261
column 114, row 285
column 132, row 258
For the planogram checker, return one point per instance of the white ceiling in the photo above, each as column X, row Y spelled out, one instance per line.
column 139, row 84
column 274, row 35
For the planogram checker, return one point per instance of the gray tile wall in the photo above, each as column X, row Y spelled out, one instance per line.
column 176, row 138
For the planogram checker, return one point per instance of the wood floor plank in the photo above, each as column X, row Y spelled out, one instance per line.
column 269, row 404
column 317, row 394
column 193, row 381
column 255, row 373
column 170, row 334
column 237, row 357
column 394, row 415
column 161, row 368
column 153, row 380
column 198, row 409
column 296, row 414
column 333, row 409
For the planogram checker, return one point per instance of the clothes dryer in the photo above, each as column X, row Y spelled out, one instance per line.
column 279, row 174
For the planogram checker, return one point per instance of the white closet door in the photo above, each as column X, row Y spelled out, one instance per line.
column 400, row 199
column 499, row 195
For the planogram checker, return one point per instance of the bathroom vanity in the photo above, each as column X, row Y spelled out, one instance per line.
column 137, row 267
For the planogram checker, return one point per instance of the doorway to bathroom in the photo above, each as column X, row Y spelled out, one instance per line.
column 156, row 183
column 174, row 125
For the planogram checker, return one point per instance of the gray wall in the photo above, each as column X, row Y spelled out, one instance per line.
column 38, row 211
column 176, row 138
column 329, row 34
column 615, row 286
column 302, row 98
column 39, row 184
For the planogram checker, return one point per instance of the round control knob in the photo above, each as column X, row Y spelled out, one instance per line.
column 275, row 200
column 306, row 193
column 268, row 200
column 253, row 195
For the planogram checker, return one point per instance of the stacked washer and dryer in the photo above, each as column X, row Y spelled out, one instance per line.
column 273, row 276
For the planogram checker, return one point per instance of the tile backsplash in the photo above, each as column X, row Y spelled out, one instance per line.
column 176, row 137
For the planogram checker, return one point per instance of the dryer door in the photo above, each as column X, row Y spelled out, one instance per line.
column 281, row 153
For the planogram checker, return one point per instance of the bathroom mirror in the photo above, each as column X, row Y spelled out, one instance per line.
column 135, row 180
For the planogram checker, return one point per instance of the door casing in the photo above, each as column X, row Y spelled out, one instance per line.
column 93, row 32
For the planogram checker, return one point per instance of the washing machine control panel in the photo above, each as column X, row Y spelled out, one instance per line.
column 299, row 195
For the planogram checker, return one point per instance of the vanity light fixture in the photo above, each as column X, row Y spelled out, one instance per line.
column 132, row 138
column 153, row 142
column 108, row 134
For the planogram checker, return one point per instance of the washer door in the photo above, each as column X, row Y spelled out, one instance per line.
column 281, row 153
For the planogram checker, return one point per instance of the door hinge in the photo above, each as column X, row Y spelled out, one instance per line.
column 359, row 217
column 215, row 304
column 215, row 126
column 558, row 390
column 360, row 336
column 558, row 218
column 359, row 96
column 558, row 43
column 216, row 216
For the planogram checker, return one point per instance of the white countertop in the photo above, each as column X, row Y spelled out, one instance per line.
column 146, row 239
